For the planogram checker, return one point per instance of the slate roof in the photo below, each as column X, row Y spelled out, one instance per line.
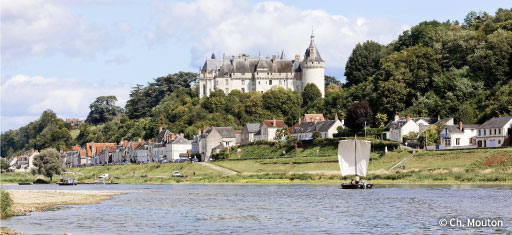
column 181, row 140
column 312, row 56
column 160, row 137
column 226, row 132
column 455, row 128
column 249, row 65
column 402, row 121
column 252, row 127
column 309, row 127
column 496, row 122
column 277, row 124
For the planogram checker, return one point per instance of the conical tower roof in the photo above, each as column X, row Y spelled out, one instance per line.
column 312, row 54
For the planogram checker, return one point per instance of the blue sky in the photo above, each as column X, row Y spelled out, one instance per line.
column 61, row 55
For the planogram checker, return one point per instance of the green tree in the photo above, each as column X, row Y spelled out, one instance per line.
column 48, row 163
column 3, row 164
column 137, row 106
column 310, row 95
column 283, row 104
column 5, row 204
column 363, row 62
column 381, row 119
column 316, row 135
column 330, row 80
column 103, row 109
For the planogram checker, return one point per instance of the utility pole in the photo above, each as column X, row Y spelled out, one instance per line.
column 364, row 129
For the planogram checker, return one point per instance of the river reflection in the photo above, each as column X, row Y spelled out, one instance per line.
column 270, row 209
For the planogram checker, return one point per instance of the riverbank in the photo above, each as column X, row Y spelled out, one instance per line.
column 460, row 166
column 26, row 201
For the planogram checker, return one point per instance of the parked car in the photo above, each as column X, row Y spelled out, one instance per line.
column 181, row 160
column 195, row 159
column 176, row 174
column 164, row 161
column 103, row 176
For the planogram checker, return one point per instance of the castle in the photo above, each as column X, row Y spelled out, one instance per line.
column 261, row 74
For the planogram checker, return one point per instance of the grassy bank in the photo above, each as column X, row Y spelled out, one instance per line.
column 461, row 166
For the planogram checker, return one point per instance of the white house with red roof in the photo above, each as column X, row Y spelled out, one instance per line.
column 268, row 129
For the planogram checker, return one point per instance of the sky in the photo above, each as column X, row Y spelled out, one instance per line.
column 61, row 55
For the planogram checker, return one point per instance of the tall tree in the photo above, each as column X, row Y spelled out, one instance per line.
column 103, row 109
column 48, row 163
column 363, row 62
column 310, row 95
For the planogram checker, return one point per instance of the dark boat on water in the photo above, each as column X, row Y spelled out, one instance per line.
column 353, row 157
column 67, row 179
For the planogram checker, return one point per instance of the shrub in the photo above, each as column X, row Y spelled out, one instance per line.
column 5, row 204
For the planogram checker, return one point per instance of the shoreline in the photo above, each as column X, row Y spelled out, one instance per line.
column 27, row 201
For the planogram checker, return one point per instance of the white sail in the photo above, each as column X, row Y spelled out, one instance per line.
column 353, row 157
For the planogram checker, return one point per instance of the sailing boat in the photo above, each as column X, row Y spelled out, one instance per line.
column 353, row 157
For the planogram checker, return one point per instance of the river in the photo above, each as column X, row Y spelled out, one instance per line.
column 274, row 209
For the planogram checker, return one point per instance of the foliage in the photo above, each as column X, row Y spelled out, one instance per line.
column 316, row 135
column 310, row 95
column 103, row 109
column 363, row 62
column 48, row 163
column 330, row 80
column 5, row 204
column 48, row 131
column 3, row 164
column 358, row 114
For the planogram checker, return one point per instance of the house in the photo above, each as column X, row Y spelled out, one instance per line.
column 25, row 161
column 177, row 147
column 313, row 117
column 326, row 128
column 494, row 132
column 213, row 137
column 404, row 126
column 268, row 129
column 250, row 129
column 99, row 153
column 238, row 136
column 458, row 136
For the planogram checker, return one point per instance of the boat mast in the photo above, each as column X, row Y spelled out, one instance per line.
column 355, row 155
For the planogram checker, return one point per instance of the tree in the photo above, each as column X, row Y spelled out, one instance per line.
column 283, row 103
column 358, row 114
column 103, row 110
column 381, row 119
column 330, row 80
column 363, row 62
column 137, row 106
column 310, row 94
column 316, row 135
column 3, row 164
column 48, row 163
column 281, row 133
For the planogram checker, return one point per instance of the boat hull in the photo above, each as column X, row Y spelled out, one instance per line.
column 356, row 186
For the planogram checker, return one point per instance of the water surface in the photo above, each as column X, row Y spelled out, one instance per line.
column 270, row 209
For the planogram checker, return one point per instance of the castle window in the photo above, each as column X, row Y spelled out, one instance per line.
column 243, row 82
column 280, row 82
column 243, row 90
column 227, row 82
column 270, row 82
column 259, row 82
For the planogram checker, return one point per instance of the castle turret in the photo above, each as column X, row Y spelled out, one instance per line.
column 313, row 67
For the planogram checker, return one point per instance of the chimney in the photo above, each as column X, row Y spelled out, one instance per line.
column 160, row 129
column 172, row 136
column 199, row 131
column 336, row 117
column 273, row 58
column 396, row 117
column 182, row 135
column 460, row 125
column 299, row 120
column 297, row 57
column 438, row 117
column 343, row 121
column 408, row 118
column 274, row 123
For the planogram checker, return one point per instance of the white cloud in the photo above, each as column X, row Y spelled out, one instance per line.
column 234, row 27
column 24, row 98
column 118, row 60
column 36, row 27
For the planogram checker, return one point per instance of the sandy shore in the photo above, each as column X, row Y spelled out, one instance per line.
column 26, row 201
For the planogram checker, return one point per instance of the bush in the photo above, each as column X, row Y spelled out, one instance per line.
column 5, row 204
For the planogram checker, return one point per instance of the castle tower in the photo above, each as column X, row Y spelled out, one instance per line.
column 313, row 67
